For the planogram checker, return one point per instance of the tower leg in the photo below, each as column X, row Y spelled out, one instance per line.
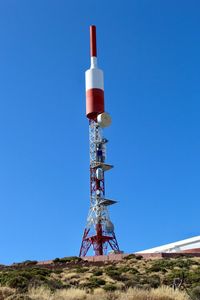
column 85, row 245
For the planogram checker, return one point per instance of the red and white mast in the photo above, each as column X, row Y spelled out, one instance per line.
column 99, row 232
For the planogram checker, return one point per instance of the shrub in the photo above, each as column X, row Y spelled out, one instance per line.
column 154, row 281
column 161, row 265
column 97, row 272
column 67, row 259
column 93, row 283
column 21, row 279
column 110, row 288
column 168, row 280
column 124, row 269
column 54, row 284
column 80, row 269
column 88, row 285
column 144, row 280
column 169, row 264
column 97, row 281
column 19, row 282
column 26, row 263
column 194, row 276
column 130, row 256
column 182, row 263
column 196, row 293
column 139, row 257
column 110, row 271
column 133, row 271
column 115, row 274
column 130, row 283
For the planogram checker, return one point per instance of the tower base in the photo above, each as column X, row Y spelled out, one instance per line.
column 99, row 243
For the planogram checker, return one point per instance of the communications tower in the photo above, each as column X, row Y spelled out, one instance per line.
column 99, row 231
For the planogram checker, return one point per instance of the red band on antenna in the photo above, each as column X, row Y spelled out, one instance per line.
column 93, row 44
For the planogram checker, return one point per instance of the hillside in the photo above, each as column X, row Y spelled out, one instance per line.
column 132, row 278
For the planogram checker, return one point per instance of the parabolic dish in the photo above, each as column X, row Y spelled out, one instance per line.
column 104, row 119
column 109, row 227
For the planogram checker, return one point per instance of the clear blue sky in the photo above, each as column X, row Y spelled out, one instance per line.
column 150, row 54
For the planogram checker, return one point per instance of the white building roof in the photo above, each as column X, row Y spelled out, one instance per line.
column 187, row 244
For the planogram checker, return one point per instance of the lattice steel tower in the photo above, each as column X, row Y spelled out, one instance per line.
column 99, row 232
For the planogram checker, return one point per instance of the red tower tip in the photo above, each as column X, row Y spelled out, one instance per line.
column 93, row 44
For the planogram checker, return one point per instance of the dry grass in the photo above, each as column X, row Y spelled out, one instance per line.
column 67, row 276
column 166, row 291
column 70, row 294
column 6, row 292
column 43, row 293
column 40, row 293
column 163, row 293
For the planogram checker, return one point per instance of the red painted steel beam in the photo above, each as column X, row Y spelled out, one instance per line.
column 93, row 42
